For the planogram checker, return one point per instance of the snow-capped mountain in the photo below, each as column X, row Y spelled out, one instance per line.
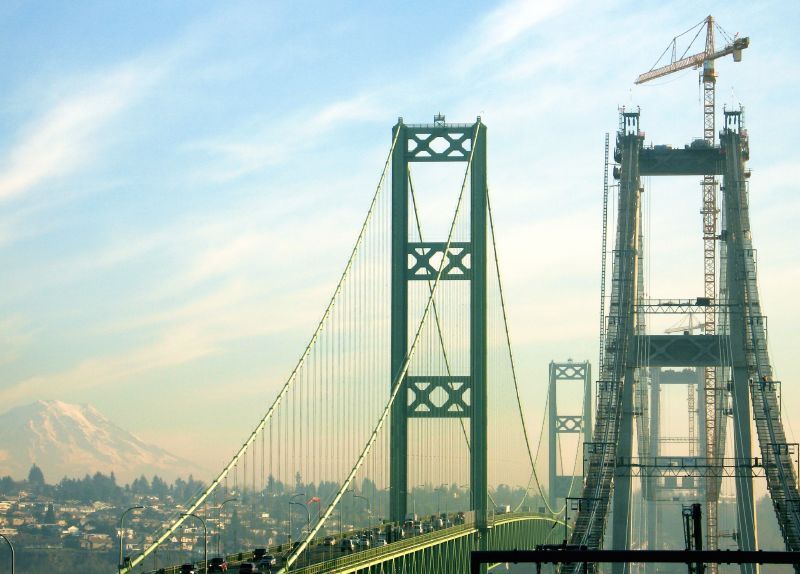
column 74, row 440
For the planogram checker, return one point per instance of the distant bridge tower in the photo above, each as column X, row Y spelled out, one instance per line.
column 465, row 261
column 564, row 485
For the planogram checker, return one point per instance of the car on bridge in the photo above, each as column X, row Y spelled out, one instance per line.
column 188, row 569
column 249, row 568
column 259, row 553
column 217, row 564
column 267, row 561
column 329, row 541
column 396, row 533
column 347, row 545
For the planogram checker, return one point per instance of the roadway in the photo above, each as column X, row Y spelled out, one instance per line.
column 319, row 557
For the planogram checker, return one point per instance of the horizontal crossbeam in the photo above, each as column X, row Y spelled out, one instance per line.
column 694, row 466
column 425, row 258
column 569, row 371
column 683, row 377
column 439, row 396
column 662, row 160
column 675, row 306
column 677, row 439
column 569, row 423
column 438, row 142
column 677, row 350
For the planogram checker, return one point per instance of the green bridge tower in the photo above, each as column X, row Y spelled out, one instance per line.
column 464, row 261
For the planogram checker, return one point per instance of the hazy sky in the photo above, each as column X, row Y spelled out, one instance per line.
column 181, row 183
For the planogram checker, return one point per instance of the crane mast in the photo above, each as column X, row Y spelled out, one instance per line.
column 714, row 415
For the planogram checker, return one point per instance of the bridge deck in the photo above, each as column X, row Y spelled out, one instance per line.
column 364, row 559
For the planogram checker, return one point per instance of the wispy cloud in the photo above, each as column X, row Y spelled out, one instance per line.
column 63, row 138
column 174, row 348
column 513, row 19
column 239, row 154
column 202, row 327
column 15, row 334
column 501, row 29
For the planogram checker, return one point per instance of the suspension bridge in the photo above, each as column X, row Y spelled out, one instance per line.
column 409, row 379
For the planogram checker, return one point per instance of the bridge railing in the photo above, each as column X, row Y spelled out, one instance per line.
column 371, row 554
column 236, row 558
column 400, row 546
column 393, row 548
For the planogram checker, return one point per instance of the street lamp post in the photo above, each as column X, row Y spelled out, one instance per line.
column 205, row 538
column 12, row 551
column 308, row 514
column 369, row 506
column 122, row 532
column 439, row 491
column 291, row 501
column 219, row 520
column 468, row 488
column 308, row 519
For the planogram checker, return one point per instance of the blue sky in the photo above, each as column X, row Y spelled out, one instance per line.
column 180, row 183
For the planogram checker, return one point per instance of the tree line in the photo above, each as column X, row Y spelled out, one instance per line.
column 98, row 487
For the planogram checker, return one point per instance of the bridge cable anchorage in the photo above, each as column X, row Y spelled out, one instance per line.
column 396, row 383
column 287, row 385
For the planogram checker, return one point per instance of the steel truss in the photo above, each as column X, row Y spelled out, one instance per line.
column 732, row 352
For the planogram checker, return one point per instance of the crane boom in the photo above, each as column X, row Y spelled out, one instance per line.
column 696, row 60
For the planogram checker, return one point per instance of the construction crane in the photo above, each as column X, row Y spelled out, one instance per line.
column 707, row 56
column 686, row 329
column 708, row 77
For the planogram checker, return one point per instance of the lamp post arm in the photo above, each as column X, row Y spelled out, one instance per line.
column 219, row 520
column 122, row 532
column 369, row 506
column 205, row 538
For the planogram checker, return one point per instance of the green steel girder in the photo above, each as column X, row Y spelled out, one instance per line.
column 423, row 258
column 437, row 142
column 450, row 403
